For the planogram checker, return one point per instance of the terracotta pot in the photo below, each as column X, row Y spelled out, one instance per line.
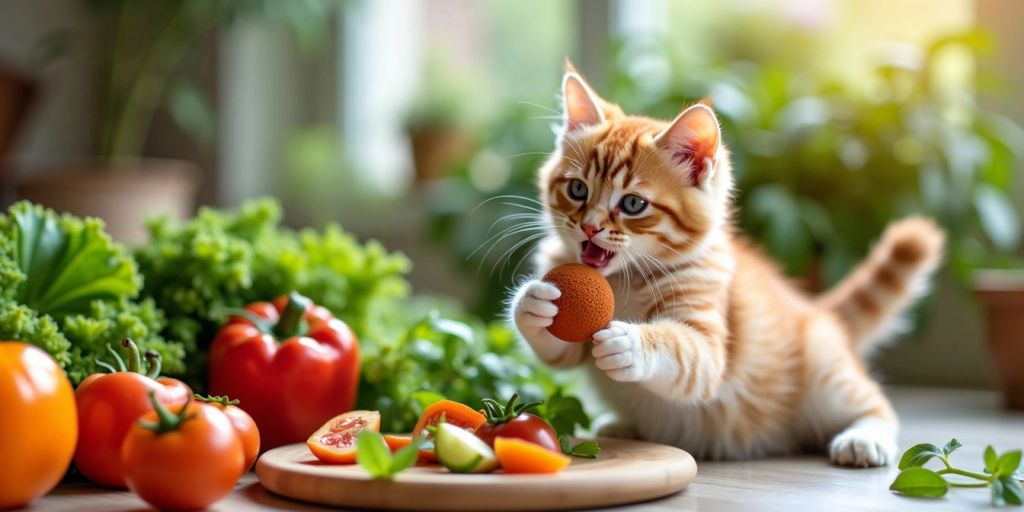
column 435, row 149
column 1002, row 295
column 124, row 193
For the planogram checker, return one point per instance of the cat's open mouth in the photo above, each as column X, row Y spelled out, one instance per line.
column 594, row 255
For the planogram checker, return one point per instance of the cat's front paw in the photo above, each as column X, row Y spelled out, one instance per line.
column 861, row 446
column 619, row 352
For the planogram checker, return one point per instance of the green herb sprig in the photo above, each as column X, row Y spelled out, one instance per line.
column 1003, row 473
column 373, row 455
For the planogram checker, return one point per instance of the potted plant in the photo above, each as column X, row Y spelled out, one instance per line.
column 142, row 44
column 1002, row 295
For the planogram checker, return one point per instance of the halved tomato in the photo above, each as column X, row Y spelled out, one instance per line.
column 454, row 413
column 335, row 441
column 396, row 442
column 518, row 456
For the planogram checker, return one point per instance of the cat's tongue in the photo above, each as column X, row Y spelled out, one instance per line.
column 595, row 256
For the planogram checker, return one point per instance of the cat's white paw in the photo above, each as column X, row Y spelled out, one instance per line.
column 618, row 430
column 618, row 352
column 534, row 306
column 867, row 443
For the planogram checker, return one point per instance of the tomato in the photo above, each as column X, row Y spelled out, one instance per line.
column 38, row 423
column 245, row 427
column 455, row 413
column 518, row 456
column 396, row 442
column 512, row 420
column 291, row 365
column 185, row 458
column 108, row 405
column 335, row 441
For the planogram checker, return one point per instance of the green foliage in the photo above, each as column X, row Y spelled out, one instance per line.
column 824, row 164
column 1003, row 474
column 69, row 290
column 373, row 455
column 224, row 259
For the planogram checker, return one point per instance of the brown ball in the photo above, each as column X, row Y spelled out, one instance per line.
column 587, row 303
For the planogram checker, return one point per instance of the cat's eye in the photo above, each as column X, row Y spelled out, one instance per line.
column 633, row 204
column 577, row 189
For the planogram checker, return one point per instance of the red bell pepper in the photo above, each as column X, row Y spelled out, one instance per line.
column 291, row 365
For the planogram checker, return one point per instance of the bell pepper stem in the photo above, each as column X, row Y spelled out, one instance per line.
column 293, row 321
column 264, row 325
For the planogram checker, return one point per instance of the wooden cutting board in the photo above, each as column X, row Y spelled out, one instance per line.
column 626, row 472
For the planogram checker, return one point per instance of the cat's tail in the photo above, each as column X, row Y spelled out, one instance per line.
column 896, row 273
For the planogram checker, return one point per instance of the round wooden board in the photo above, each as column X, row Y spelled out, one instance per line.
column 626, row 472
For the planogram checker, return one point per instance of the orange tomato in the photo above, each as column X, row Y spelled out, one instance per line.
column 518, row 456
column 244, row 425
column 396, row 442
column 455, row 413
column 38, row 423
column 335, row 441
column 183, row 459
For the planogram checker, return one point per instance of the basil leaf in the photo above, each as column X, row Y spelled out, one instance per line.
column 990, row 459
column 918, row 455
column 951, row 446
column 405, row 456
column 919, row 482
column 586, row 450
column 1007, row 463
column 373, row 455
column 1012, row 492
column 564, row 413
column 563, row 441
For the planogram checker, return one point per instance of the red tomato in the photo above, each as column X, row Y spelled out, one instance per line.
column 108, row 405
column 455, row 413
column 38, row 424
column 292, row 386
column 245, row 427
column 510, row 420
column 335, row 441
column 183, row 459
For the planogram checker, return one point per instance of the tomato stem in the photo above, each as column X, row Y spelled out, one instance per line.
column 166, row 420
column 134, row 356
column 222, row 400
column 498, row 413
column 155, row 364
column 293, row 321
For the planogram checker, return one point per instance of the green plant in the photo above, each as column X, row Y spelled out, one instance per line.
column 1003, row 473
column 823, row 164
column 144, row 42
column 67, row 288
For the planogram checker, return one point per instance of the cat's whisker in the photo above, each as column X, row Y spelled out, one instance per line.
column 543, row 107
column 505, row 233
column 510, row 251
column 510, row 217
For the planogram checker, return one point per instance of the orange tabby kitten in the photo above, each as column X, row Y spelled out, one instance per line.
column 712, row 350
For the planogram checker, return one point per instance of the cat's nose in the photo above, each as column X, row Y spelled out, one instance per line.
column 590, row 231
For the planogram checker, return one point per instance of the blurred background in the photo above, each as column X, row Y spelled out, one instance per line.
column 400, row 119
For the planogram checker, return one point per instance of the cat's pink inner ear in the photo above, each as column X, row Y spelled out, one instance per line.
column 692, row 140
column 581, row 106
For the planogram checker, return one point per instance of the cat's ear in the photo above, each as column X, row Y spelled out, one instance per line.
column 692, row 141
column 581, row 107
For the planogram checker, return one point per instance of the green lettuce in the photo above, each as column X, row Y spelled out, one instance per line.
column 67, row 288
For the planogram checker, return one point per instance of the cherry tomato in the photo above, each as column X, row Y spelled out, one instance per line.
column 518, row 456
column 108, row 405
column 455, row 413
column 245, row 427
column 38, row 423
column 185, row 458
column 335, row 441
column 510, row 420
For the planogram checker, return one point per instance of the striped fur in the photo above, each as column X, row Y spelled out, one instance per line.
column 712, row 350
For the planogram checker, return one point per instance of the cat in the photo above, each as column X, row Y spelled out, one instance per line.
column 712, row 349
